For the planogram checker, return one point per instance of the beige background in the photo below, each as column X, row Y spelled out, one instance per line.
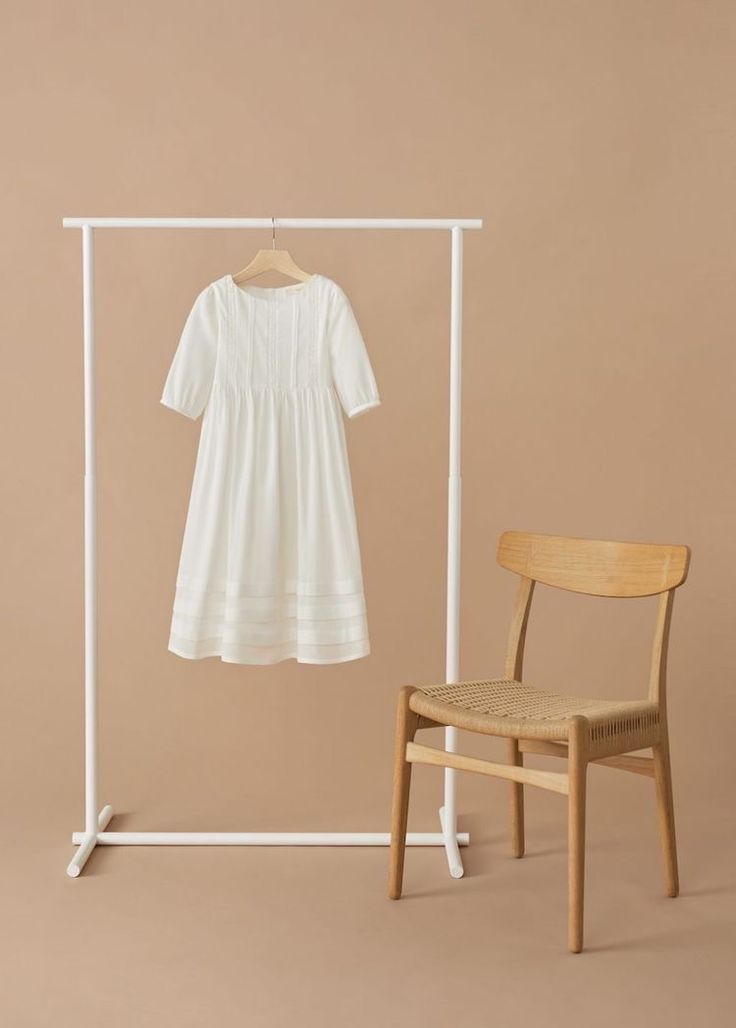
column 596, row 140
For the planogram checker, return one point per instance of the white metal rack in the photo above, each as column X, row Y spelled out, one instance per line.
column 96, row 823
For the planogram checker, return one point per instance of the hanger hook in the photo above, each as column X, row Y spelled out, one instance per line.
column 273, row 233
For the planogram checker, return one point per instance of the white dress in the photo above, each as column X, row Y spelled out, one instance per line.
column 270, row 564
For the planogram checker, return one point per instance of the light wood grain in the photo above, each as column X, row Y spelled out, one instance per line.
column 625, row 761
column 666, row 810
column 552, row 780
column 658, row 668
column 516, row 800
column 517, row 631
column 271, row 260
column 577, row 769
column 596, row 567
column 406, row 726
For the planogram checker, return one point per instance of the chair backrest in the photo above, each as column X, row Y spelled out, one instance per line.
column 594, row 566
column 598, row 568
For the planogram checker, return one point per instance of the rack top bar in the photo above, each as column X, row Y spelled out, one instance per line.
column 405, row 223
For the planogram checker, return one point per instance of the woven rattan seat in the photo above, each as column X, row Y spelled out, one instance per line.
column 582, row 730
column 517, row 710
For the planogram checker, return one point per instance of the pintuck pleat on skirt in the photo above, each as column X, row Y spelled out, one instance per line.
column 263, row 629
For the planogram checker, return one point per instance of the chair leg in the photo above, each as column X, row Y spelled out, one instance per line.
column 516, row 796
column 577, row 771
column 663, row 781
column 406, row 726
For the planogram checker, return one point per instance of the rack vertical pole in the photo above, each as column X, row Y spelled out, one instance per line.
column 92, row 822
column 90, row 538
column 448, row 813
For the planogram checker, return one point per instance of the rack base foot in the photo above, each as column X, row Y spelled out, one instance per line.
column 261, row 839
column 452, row 841
column 87, row 842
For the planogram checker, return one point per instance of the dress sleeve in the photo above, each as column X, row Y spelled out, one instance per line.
column 351, row 367
column 192, row 370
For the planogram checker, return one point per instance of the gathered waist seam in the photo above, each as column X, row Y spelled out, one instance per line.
column 239, row 390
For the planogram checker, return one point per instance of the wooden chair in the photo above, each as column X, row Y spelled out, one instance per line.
column 539, row 721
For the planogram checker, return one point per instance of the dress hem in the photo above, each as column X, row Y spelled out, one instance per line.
column 277, row 660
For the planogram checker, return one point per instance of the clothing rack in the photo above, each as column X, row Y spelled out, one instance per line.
column 95, row 823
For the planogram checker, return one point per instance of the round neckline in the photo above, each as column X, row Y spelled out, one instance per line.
column 270, row 291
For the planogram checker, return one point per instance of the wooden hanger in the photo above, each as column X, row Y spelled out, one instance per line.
column 272, row 260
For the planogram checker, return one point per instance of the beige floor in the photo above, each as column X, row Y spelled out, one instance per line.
column 275, row 937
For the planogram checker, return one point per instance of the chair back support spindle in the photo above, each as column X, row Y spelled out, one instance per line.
column 517, row 632
column 658, row 673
